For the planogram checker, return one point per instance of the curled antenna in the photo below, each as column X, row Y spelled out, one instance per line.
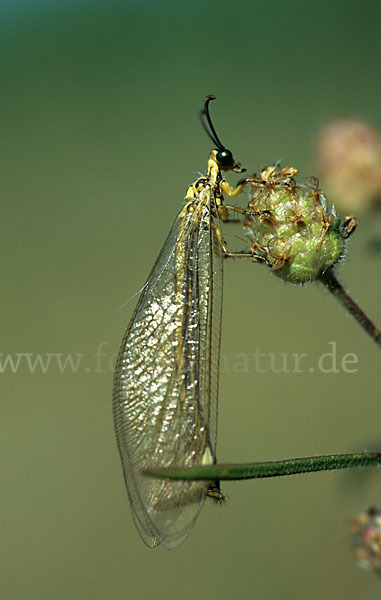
column 207, row 124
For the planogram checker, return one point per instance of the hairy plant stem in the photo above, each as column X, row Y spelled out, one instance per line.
column 334, row 286
column 277, row 468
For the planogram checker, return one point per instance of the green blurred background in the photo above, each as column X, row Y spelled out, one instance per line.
column 99, row 139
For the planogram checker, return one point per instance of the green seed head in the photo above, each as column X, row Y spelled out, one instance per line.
column 291, row 228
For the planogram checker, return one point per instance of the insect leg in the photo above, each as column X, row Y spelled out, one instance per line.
column 250, row 255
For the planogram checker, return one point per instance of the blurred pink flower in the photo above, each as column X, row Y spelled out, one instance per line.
column 366, row 531
column 349, row 164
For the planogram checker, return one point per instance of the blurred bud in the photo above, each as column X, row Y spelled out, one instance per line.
column 349, row 164
column 366, row 539
column 291, row 229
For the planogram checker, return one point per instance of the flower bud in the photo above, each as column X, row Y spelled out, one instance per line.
column 290, row 227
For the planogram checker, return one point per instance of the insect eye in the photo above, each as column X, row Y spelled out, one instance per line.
column 224, row 157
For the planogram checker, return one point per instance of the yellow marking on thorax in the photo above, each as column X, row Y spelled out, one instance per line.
column 206, row 181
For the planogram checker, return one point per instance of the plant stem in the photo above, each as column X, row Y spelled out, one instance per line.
column 334, row 286
column 277, row 468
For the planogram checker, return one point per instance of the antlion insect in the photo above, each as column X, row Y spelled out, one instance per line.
column 166, row 378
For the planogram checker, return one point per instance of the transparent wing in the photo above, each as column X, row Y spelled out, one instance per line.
column 166, row 379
